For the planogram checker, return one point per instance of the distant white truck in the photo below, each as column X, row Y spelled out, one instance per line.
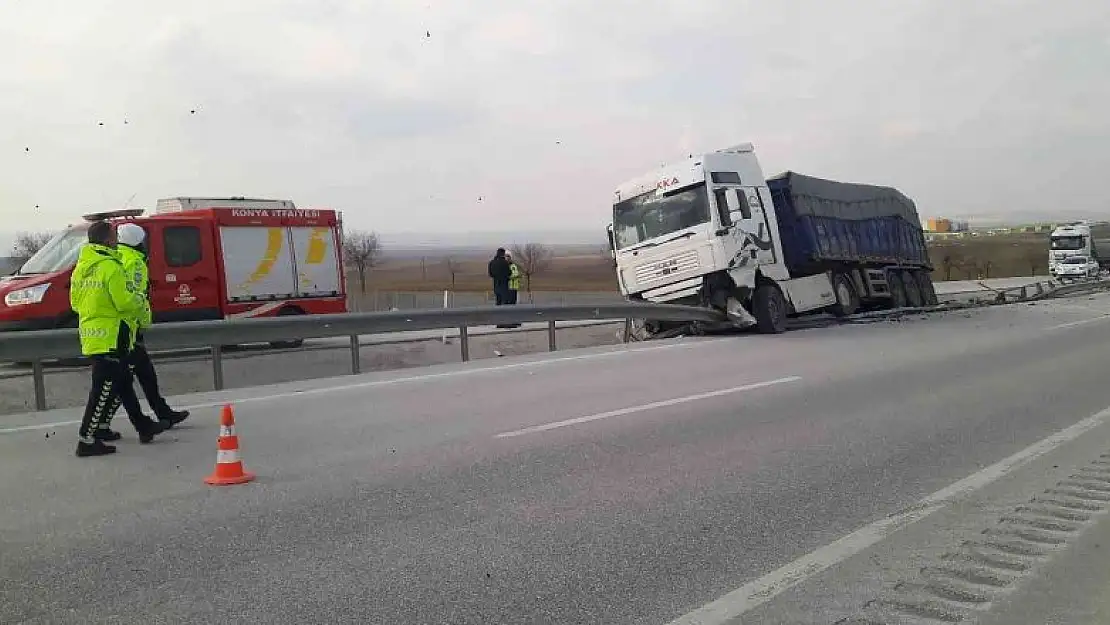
column 711, row 231
column 1081, row 238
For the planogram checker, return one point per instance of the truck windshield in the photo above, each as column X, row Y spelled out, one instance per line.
column 650, row 215
column 1068, row 243
column 59, row 253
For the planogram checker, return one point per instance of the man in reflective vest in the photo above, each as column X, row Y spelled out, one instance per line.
column 131, row 238
column 514, row 278
column 104, row 301
column 514, row 286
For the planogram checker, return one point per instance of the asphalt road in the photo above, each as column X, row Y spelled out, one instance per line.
column 628, row 484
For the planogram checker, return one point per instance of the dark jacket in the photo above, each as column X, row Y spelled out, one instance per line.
column 499, row 270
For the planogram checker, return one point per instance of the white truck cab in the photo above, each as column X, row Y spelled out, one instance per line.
column 668, row 226
column 1067, row 241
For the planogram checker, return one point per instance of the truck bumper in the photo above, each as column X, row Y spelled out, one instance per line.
column 674, row 291
column 22, row 325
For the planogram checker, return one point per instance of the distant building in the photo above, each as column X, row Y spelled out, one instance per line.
column 938, row 224
column 942, row 224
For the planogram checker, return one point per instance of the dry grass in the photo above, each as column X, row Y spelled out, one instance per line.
column 567, row 273
column 998, row 256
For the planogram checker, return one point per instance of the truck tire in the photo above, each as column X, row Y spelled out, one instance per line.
column 769, row 309
column 295, row 343
column 928, row 291
column 913, row 291
column 847, row 301
column 897, row 289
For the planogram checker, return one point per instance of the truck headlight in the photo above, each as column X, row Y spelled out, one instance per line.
column 29, row 295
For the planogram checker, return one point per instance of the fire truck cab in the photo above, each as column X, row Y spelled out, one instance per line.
column 209, row 258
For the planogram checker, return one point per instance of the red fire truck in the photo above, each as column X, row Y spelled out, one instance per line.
column 209, row 258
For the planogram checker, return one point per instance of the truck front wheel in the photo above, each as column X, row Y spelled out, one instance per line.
column 769, row 308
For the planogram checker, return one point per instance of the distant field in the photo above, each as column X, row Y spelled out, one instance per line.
column 999, row 256
column 566, row 273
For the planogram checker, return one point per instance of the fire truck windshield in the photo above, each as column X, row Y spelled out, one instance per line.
column 59, row 253
column 651, row 215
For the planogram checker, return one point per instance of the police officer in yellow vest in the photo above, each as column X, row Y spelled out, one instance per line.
column 130, row 247
column 514, row 278
column 514, row 285
column 105, row 301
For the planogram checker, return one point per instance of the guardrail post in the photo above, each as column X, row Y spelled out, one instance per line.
column 40, row 384
column 218, row 367
column 356, row 355
column 1024, row 294
column 464, row 343
column 551, row 335
column 628, row 330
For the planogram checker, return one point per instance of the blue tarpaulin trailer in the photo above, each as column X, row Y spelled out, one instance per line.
column 822, row 221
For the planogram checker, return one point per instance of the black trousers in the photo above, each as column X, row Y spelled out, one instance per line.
column 501, row 293
column 141, row 368
column 111, row 385
column 511, row 300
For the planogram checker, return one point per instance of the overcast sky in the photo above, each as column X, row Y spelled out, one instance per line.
column 523, row 116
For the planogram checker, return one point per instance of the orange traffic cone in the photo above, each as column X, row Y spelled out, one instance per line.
column 229, row 468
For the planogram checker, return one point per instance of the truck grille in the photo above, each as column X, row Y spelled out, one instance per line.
column 668, row 268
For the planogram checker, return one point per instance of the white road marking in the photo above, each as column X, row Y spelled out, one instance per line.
column 641, row 408
column 757, row 592
column 1072, row 324
column 37, row 426
column 389, row 382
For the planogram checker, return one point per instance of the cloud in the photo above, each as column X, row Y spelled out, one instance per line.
column 404, row 113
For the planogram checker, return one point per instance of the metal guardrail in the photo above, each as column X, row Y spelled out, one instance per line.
column 40, row 346
column 1026, row 292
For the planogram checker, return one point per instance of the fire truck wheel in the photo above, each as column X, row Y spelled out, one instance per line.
column 287, row 312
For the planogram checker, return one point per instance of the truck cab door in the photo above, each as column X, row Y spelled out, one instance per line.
column 744, row 226
column 184, row 272
column 753, row 220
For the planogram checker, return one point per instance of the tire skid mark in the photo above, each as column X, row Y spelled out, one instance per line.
column 963, row 583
